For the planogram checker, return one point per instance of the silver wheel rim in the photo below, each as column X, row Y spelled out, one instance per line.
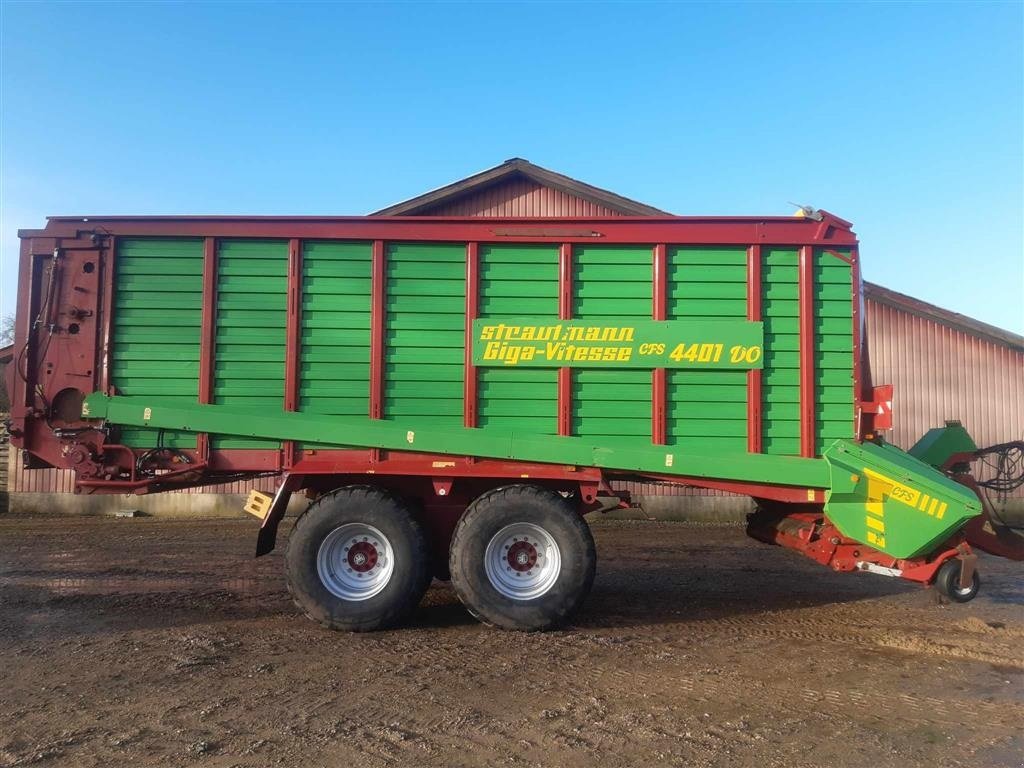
column 355, row 561
column 960, row 591
column 522, row 561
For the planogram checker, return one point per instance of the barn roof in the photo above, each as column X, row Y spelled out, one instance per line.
column 510, row 170
column 903, row 302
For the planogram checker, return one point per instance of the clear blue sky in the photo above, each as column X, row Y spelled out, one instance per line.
column 906, row 119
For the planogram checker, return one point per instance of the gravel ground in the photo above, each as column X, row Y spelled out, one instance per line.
column 144, row 642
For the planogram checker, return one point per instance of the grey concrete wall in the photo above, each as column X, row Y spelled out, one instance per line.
column 193, row 505
column 157, row 504
column 704, row 509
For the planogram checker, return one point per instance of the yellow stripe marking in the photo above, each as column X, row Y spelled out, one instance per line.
column 942, row 510
column 934, row 505
column 878, row 525
column 924, row 502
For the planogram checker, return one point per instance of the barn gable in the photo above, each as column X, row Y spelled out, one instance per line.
column 517, row 187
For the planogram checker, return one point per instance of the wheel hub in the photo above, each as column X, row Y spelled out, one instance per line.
column 362, row 556
column 522, row 556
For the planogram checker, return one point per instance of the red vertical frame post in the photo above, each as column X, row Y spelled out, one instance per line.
column 659, row 377
column 207, row 337
column 755, row 441
column 469, row 396
column 293, row 340
column 565, row 313
column 807, row 372
column 378, row 274
column 862, row 384
column 21, row 395
column 108, row 272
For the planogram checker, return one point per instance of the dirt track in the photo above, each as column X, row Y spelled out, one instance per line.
column 147, row 642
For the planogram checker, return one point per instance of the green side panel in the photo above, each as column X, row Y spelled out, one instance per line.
column 334, row 355
column 249, row 352
column 425, row 333
column 612, row 284
column 514, row 277
column 780, row 308
column 706, row 410
column 885, row 498
column 154, row 353
column 833, row 351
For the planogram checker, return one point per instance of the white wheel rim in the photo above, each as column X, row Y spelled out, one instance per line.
column 522, row 561
column 355, row 561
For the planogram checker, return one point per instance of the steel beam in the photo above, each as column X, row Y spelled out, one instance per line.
column 406, row 436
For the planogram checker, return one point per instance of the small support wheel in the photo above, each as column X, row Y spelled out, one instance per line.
column 947, row 581
column 357, row 560
column 522, row 558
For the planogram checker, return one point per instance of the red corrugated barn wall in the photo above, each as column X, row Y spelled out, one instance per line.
column 521, row 197
column 942, row 372
column 944, row 366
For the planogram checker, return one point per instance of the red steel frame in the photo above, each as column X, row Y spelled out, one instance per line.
column 659, row 376
column 293, row 334
column 807, row 372
column 743, row 231
column 107, row 269
column 751, row 233
column 378, row 278
column 469, row 409
column 565, row 308
column 755, row 425
column 207, row 332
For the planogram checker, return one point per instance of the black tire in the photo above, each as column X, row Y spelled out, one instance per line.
column 400, row 592
column 947, row 581
column 531, row 505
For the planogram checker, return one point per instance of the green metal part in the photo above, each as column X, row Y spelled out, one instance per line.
column 940, row 443
column 875, row 494
column 889, row 500
column 395, row 434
